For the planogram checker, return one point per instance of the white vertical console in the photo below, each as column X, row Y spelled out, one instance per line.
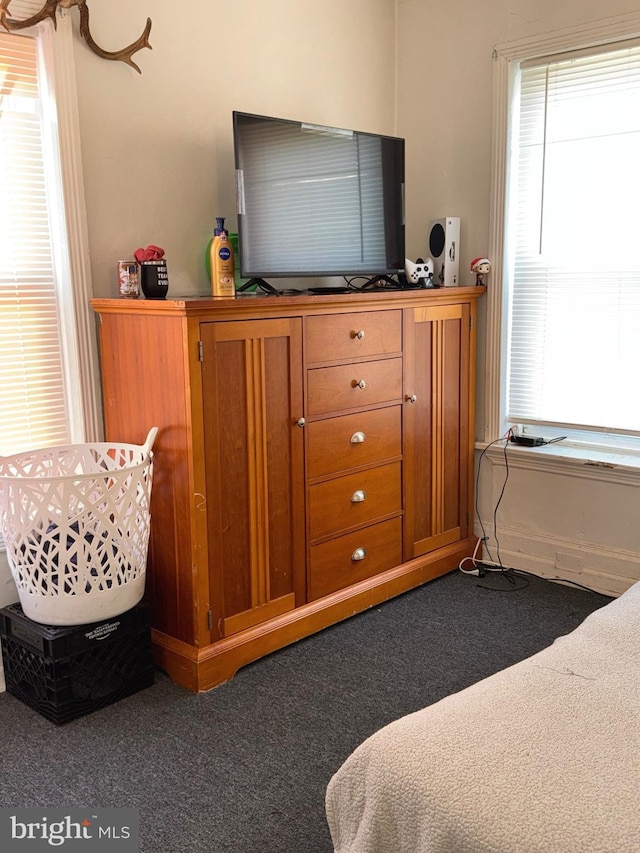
column 444, row 248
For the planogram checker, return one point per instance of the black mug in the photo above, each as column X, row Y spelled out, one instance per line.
column 154, row 280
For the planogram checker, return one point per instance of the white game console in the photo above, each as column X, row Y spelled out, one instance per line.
column 444, row 248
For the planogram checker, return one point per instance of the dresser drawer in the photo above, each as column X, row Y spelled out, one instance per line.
column 354, row 557
column 353, row 386
column 333, row 337
column 353, row 500
column 348, row 441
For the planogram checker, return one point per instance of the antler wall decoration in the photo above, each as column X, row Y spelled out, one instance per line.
column 50, row 9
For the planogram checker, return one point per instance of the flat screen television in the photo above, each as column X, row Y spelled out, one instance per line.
column 317, row 201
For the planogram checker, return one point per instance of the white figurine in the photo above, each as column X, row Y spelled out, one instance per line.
column 481, row 267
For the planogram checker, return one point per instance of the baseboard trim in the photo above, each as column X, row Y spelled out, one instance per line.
column 610, row 571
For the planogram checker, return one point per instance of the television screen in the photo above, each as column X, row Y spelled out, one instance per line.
column 317, row 201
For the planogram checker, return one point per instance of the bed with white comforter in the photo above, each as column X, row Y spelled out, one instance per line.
column 543, row 757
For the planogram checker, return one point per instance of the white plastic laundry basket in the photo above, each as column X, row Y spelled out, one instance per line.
column 75, row 519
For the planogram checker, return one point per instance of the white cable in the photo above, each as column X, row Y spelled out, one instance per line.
column 475, row 570
column 479, row 565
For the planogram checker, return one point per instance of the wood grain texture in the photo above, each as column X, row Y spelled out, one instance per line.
column 252, row 415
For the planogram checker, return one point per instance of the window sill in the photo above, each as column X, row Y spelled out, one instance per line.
column 570, row 459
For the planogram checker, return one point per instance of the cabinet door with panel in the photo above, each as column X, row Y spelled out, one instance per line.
column 438, row 450
column 252, row 400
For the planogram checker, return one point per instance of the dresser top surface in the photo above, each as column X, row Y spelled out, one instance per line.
column 286, row 304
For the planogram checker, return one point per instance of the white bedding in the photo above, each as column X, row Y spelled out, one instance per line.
column 543, row 757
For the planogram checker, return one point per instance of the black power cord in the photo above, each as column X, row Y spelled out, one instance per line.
column 485, row 538
column 482, row 568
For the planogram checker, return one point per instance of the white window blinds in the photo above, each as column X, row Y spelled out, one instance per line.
column 574, row 347
column 33, row 409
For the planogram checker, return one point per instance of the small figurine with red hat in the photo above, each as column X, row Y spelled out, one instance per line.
column 481, row 267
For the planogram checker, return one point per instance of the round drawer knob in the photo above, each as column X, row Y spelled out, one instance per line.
column 358, row 497
column 357, row 438
column 358, row 554
column 359, row 335
column 411, row 398
column 301, row 422
column 359, row 383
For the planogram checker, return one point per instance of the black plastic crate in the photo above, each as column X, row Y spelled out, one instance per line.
column 66, row 672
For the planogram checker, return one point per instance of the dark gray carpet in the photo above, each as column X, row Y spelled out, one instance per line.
column 243, row 768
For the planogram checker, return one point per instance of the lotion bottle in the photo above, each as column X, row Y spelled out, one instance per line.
column 221, row 261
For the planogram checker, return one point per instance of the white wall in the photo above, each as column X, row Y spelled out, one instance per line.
column 576, row 524
column 157, row 147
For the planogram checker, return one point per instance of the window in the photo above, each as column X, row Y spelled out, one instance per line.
column 568, row 318
column 47, row 353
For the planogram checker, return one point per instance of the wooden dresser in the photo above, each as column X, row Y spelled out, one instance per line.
column 314, row 458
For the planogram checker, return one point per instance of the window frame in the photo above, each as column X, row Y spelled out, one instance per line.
column 507, row 58
column 78, row 340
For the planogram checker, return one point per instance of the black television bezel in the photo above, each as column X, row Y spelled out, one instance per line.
column 264, row 274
